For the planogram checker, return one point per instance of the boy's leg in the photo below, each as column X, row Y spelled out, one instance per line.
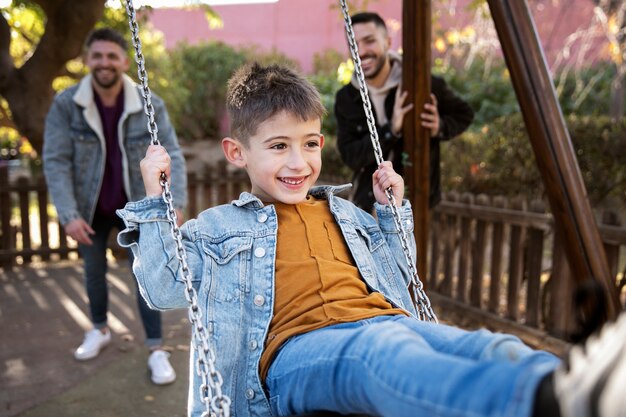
column 382, row 367
column 477, row 344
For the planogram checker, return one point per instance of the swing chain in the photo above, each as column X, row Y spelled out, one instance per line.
column 422, row 303
column 215, row 403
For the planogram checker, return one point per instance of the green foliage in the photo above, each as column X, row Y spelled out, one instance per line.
column 26, row 22
column 273, row 56
column 587, row 90
column 499, row 160
column 9, row 144
column 328, row 84
column 488, row 90
column 327, row 62
column 199, row 76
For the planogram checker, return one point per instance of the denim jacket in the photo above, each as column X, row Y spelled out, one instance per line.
column 231, row 252
column 74, row 149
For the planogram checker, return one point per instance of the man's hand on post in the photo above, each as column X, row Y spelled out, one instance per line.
column 399, row 111
column 430, row 116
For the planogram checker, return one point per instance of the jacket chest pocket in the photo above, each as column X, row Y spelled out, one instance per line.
column 371, row 254
column 87, row 150
column 84, row 138
column 136, row 143
column 229, row 259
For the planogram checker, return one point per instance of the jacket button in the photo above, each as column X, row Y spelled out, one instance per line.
column 262, row 217
column 259, row 300
column 252, row 345
column 249, row 393
column 259, row 252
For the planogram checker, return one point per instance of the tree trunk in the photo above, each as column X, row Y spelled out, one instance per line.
column 28, row 89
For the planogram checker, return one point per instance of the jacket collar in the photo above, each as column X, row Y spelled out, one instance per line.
column 320, row 191
column 132, row 100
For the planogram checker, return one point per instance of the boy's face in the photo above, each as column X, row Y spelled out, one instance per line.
column 283, row 158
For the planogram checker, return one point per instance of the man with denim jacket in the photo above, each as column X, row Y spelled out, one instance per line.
column 95, row 136
column 304, row 296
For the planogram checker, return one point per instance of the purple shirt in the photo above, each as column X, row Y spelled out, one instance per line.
column 112, row 195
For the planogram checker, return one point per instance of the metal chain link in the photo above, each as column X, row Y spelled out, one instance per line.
column 216, row 404
column 422, row 303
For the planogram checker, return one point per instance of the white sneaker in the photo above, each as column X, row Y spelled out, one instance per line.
column 94, row 341
column 159, row 365
column 591, row 382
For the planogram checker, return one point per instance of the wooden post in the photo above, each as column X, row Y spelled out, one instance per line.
column 553, row 149
column 560, row 320
column 5, row 216
column 497, row 249
column 416, row 62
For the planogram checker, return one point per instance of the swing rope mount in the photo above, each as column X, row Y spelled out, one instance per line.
column 216, row 404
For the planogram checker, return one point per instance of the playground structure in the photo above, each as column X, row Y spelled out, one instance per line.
column 574, row 225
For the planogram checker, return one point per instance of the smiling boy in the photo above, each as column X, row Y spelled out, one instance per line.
column 305, row 295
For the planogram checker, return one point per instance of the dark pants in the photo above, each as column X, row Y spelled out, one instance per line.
column 95, row 262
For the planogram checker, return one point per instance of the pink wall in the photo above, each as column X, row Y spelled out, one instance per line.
column 300, row 28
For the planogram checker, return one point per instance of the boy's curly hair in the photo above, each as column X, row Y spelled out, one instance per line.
column 256, row 93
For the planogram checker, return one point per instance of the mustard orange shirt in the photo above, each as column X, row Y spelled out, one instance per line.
column 317, row 283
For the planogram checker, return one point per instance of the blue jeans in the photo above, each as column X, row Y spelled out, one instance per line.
column 398, row 366
column 95, row 261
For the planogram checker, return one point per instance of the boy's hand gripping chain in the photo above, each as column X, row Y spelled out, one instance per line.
column 422, row 303
column 215, row 403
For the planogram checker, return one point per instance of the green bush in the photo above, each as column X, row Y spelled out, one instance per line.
column 200, row 73
column 499, row 160
column 488, row 89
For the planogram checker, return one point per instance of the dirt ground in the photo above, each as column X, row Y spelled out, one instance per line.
column 43, row 314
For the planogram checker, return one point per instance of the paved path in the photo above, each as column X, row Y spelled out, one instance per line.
column 43, row 314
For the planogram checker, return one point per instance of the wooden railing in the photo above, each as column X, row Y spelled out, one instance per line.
column 29, row 233
column 495, row 259
column 26, row 229
column 492, row 261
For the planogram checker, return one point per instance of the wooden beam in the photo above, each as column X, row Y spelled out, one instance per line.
column 416, row 63
column 556, row 159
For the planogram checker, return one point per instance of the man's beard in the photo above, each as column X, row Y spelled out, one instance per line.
column 108, row 83
column 378, row 67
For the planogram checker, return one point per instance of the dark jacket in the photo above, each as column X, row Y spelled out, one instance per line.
column 355, row 147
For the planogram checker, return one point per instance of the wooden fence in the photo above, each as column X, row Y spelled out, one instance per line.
column 491, row 261
column 28, row 232
column 496, row 261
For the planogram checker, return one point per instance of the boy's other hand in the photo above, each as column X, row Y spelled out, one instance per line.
column 156, row 161
column 385, row 177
